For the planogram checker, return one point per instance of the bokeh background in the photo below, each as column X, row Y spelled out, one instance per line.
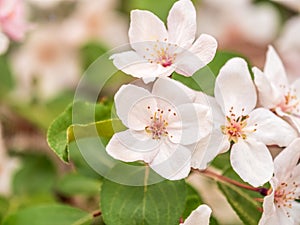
column 39, row 74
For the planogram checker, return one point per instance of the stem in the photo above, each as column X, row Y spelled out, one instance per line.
column 219, row 177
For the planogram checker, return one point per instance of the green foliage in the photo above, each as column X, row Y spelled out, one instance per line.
column 60, row 135
column 36, row 176
column 42, row 114
column 4, row 204
column 242, row 201
column 49, row 215
column 222, row 161
column 76, row 184
column 151, row 5
column 160, row 203
column 7, row 82
column 90, row 52
column 193, row 200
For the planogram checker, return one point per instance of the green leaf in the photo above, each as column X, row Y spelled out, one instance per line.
column 4, row 204
column 37, row 175
column 242, row 201
column 49, row 215
column 57, row 135
column 222, row 161
column 7, row 82
column 76, row 184
column 160, row 203
column 104, row 128
column 90, row 52
column 193, row 200
column 151, row 5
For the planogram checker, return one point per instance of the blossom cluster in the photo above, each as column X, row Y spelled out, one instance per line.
column 173, row 128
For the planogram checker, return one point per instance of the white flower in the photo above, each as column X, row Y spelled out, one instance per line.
column 249, row 130
column 199, row 216
column 280, row 206
column 275, row 92
column 164, row 126
column 158, row 52
column 8, row 167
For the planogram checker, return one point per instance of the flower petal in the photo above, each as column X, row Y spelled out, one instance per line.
column 172, row 161
column 182, row 23
column 270, row 129
column 234, row 87
column 173, row 91
column 129, row 146
column 205, row 48
column 287, row 160
column 195, row 123
column 252, row 161
column 145, row 26
column 132, row 63
column 199, row 216
column 268, row 95
column 127, row 97
column 274, row 69
column 4, row 43
column 269, row 215
column 207, row 149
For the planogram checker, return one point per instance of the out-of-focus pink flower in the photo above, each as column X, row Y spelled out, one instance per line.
column 12, row 19
column 45, row 65
column 240, row 19
column 96, row 20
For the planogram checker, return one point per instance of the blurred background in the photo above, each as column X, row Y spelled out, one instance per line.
column 50, row 43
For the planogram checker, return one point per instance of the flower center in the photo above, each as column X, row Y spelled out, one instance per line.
column 158, row 124
column 235, row 127
column 290, row 103
column 285, row 194
column 161, row 53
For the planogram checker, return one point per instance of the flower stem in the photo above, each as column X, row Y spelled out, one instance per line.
column 219, row 177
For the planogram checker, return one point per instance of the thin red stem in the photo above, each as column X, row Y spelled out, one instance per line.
column 219, row 177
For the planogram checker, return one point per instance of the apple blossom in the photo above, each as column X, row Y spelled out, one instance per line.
column 280, row 206
column 248, row 130
column 275, row 92
column 157, row 52
column 164, row 126
column 199, row 216
column 12, row 22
